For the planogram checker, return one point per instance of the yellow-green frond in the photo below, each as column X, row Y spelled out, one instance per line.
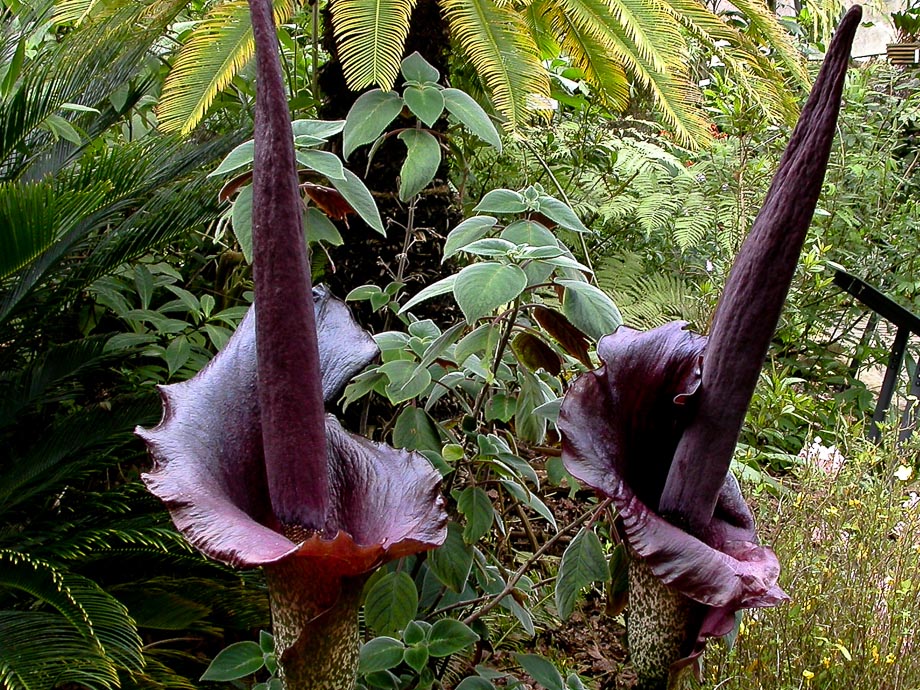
column 218, row 48
column 644, row 38
column 74, row 11
column 498, row 44
column 371, row 36
column 765, row 25
column 537, row 16
column 755, row 75
column 596, row 61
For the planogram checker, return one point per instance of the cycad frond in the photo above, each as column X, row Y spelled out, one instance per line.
column 645, row 39
column 589, row 53
column 96, row 615
column 371, row 36
column 217, row 49
column 495, row 39
column 754, row 73
column 39, row 651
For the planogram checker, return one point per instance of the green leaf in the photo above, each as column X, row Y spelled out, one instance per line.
column 319, row 129
column 380, row 654
column 500, row 407
column 416, row 68
column 415, row 632
column 239, row 157
column 471, row 116
column 62, row 129
column 561, row 213
column 414, row 430
column 407, row 380
column 368, row 117
column 177, row 354
column 452, row 561
column 582, row 563
column 239, row 660
column 319, row 228
column 590, row 310
column 529, row 232
column 363, row 292
column 489, row 246
column 360, row 199
column 14, row 68
column 529, row 499
column 391, row 603
column 466, row 232
column 323, row 162
column 425, row 102
column 476, row 506
column 481, row 340
column 541, row 671
column 502, row 201
column 423, row 156
column 483, row 287
column 416, row 657
column 241, row 220
column 618, row 592
column 441, row 287
column 266, row 642
column 449, row 636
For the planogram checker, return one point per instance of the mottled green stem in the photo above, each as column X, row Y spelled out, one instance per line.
column 657, row 627
column 315, row 623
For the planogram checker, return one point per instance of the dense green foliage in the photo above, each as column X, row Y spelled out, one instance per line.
column 117, row 272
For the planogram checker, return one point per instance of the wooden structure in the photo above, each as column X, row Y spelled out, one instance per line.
column 906, row 323
column 904, row 53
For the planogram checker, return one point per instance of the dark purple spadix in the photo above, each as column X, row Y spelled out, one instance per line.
column 754, row 294
column 656, row 426
column 290, row 395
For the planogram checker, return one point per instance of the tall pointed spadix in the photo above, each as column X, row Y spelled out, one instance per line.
column 290, row 388
column 754, row 294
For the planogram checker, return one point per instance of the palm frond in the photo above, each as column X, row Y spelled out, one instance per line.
column 63, row 453
column 217, row 49
column 495, row 39
column 371, row 35
column 755, row 74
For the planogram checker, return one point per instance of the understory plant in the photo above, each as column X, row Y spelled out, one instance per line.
column 655, row 429
column 847, row 536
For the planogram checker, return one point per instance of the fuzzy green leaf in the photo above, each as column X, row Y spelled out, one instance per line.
column 423, row 156
column 483, row 287
column 368, row 117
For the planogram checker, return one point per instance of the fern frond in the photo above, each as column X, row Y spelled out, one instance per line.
column 495, row 39
column 217, row 49
column 646, row 300
column 371, row 36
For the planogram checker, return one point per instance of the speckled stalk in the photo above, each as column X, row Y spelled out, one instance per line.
column 657, row 627
column 315, row 623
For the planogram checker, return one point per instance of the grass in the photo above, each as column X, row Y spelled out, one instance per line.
column 849, row 542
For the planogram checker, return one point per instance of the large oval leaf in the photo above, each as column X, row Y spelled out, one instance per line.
column 391, row 603
column 425, row 102
column 423, row 156
column 481, row 288
column 368, row 117
column 472, row 116
column 468, row 231
column 589, row 309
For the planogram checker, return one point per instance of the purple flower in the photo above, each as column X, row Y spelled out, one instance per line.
column 251, row 468
column 656, row 426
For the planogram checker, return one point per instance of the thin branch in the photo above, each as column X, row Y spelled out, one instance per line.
column 519, row 573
